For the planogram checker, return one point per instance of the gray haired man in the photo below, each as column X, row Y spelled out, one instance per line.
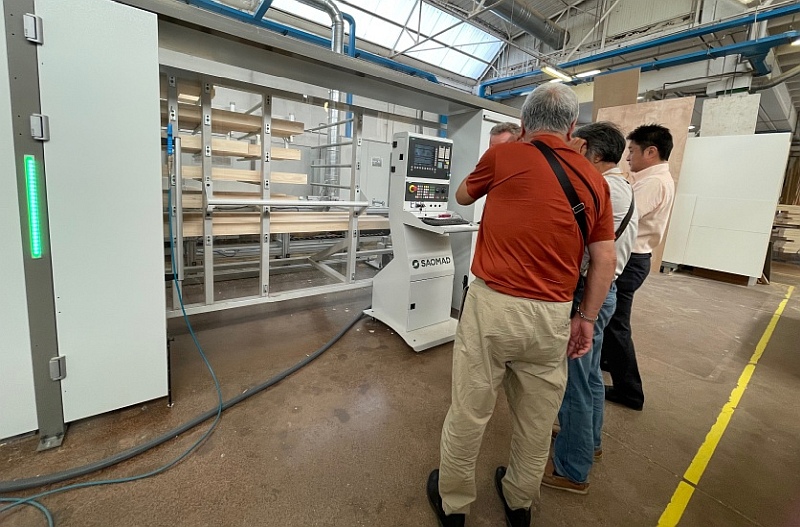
column 515, row 328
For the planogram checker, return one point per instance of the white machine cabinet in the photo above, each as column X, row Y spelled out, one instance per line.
column 98, row 78
column 412, row 293
column 470, row 134
column 103, row 170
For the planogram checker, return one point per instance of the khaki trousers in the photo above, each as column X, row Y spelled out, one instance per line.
column 522, row 344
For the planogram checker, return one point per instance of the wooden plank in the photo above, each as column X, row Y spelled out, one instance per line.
column 187, row 91
column 234, row 174
column 790, row 209
column 675, row 114
column 225, row 147
column 225, row 121
column 234, row 224
column 194, row 200
column 615, row 89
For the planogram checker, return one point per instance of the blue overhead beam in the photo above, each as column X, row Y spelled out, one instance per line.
column 753, row 50
column 262, row 8
column 656, row 42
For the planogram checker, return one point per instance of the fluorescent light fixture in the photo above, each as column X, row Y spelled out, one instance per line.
column 555, row 80
column 590, row 73
column 34, row 210
column 557, row 74
column 640, row 98
column 796, row 42
column 691, row 127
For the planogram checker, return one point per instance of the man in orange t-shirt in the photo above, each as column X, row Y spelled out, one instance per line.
column 515, row 326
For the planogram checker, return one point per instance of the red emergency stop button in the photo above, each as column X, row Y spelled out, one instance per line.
column 412, row 188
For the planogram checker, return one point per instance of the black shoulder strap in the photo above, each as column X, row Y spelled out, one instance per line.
column 626, row 220
column 583, row 179
column 578, row 207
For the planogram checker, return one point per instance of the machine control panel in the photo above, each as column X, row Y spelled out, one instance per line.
column 430, row 192
column 421, row 168
column 428, row 158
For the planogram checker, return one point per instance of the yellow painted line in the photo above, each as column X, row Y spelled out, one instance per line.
column 680, row 499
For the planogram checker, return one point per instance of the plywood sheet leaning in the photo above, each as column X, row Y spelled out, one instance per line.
column 615, row 89
column 675, row 114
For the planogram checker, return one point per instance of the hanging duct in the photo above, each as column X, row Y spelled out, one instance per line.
column 523, row 15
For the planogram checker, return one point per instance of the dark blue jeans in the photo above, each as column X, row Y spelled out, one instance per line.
column 581, row 414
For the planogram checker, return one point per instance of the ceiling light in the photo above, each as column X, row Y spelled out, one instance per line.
column 590, row 73
column 557, row 74
column 555, row 80
column 691, row 127
column 640, row 98
column 796, row 42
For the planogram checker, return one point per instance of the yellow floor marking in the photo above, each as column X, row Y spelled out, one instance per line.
column 680, row 499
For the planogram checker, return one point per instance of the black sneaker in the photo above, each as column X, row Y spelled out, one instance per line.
column 516, row 517
column 454, row 520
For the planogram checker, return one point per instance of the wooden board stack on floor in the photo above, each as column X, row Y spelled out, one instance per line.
column 786, row 233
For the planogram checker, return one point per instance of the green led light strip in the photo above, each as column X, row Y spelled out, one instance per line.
column 34, row 214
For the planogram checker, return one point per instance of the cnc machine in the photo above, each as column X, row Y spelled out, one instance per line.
column 412, row 293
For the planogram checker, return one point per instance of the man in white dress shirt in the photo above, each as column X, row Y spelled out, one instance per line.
column 654, row 190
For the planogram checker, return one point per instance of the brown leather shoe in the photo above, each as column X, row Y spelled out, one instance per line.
column 598, row 454
column 554, row 481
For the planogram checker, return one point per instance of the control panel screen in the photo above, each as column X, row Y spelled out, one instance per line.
column 428, row 158
column 425, row 155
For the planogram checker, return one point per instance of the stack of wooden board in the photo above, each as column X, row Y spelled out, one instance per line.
column 786, row 233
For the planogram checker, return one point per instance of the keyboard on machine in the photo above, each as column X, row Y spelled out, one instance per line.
column 440, row 222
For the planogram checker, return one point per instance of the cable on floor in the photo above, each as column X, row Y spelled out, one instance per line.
column 29, row 483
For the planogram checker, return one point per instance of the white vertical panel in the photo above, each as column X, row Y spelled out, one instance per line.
column 734, row 182
column 99, row 85
column 17, row 399
column 680, row 221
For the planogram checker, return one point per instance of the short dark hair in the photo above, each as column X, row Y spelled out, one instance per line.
column 502, row 128
column 653, row 135
column 603, row 139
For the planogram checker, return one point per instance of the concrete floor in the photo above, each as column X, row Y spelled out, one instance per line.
column 350, row 439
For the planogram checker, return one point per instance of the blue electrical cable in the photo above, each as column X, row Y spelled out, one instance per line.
column 51, row 479
column 32, row 503
column 31, row 500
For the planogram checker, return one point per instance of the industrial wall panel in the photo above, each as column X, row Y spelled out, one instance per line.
column 635, row 14
column 728, row 191
column 99, row 85
column 17, row 398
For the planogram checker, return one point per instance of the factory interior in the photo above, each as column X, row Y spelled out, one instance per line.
column 233, row 260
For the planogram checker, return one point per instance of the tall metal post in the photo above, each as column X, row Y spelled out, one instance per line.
column 34, row 220
column 355, row 190
column 176, row 184
column 208, row 193
column 266, row 170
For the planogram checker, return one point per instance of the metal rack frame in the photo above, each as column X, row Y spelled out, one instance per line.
column 347, row 247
